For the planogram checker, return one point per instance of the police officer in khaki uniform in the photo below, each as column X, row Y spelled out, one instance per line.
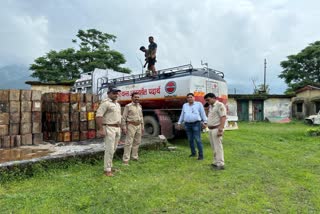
column 108, row 118
column 132, row 125
column 216, row 120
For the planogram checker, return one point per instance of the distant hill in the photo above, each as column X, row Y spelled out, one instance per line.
column 14, row 77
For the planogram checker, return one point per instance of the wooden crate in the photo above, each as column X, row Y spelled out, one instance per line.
column 26, row 106
column 25, row 117
column 36, row 116
column 14, row 117
column 4, row 118
column 36, row 106
column 4, row 95
column 14, row 106
column 5, row 141
column 91, row 134
column 75, row 126
column 25, row 95
column 36, row 128
column 26, row 139
column 62, row 126
column 75, row 98
column 14, row 94
column 75, row 136
column 36, row 95
column 83, row 126
column 83, row 116
column 4, row 107
column 14, row 128
column 89, row 107
column 63, row 107
column 75, row 117
column 15, row 141
column 25, row 128
column 83, row 135
column 74, row 107
column 88, row 98
column 4, row 130
column 83, row 107
column 91, row 124
column 37, row 139
column 63, row 97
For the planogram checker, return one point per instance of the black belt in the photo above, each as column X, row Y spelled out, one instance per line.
column 193, row 122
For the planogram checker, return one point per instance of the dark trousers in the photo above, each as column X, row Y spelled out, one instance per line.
column 194, row 134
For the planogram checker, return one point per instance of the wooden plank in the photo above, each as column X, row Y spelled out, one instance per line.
column 75, row 98
column 64, row 107
column 83, row 107
column 75, row 117
column 5, row 141
column 89, row 106
column 83, row 126
column 83, row 116
column 88, row 98
column 74, row 107
column 75, row 126
column 62, row 126
column 83, row 135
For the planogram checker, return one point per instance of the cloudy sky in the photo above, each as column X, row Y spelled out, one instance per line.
column 233, row 36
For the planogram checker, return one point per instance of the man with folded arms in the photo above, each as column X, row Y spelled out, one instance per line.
column 216, row 120
column 133, row 127
column 108, row 119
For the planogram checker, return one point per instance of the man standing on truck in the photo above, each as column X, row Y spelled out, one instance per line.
column 133, row 127
column 108, row 118
column 150, row 56
column 216, row 120
column 193, row 116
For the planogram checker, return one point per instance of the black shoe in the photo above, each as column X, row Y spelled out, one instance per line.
column 192, row 155
column 200, row 158
column 219, row 168
column 213, row 165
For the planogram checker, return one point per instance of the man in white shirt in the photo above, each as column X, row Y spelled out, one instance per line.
column 193, row 116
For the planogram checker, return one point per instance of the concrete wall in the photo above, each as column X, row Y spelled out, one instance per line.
column 277, row 107
column 232, row 107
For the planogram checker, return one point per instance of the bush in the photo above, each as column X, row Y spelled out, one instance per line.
column 313, row 132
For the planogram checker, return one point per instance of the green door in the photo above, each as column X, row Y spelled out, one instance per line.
column 243, row 110
column 257, row 110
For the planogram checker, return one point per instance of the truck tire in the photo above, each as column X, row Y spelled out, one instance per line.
column 151, row 126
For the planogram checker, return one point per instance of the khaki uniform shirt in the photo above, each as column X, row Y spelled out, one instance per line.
column 110, row 111
column 132, row 113
column 216, row 111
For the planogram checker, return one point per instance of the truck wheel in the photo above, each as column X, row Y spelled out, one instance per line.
column 151, row 126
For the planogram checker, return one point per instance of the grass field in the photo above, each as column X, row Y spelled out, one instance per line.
column 270, row 168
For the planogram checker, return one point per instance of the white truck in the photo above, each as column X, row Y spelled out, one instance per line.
column 162, row 96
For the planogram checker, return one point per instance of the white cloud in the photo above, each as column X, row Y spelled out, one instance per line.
column 232, row 36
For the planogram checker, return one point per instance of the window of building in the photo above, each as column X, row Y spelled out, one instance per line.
column 299, row 107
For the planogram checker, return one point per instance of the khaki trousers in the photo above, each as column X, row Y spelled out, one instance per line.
column 217, row 148
column 132, row 142
column 111, row 142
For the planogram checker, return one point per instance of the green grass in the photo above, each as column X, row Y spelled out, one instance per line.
column 270, row 168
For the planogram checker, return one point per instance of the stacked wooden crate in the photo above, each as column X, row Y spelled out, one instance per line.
column 20, row 118
column 69, row 116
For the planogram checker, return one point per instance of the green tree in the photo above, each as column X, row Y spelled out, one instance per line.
column 93, row 52
column 303, row 68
